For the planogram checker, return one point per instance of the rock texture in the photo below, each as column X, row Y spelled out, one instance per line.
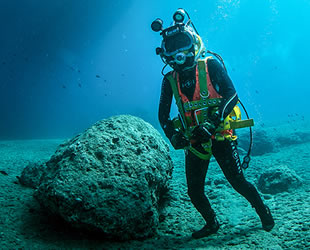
column 263, row 143
column 110, row 179
column 270, row 140
column 31, row 174
column 292, row 138
column 278, row 179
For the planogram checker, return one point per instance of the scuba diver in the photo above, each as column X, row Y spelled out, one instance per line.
column 208, row 115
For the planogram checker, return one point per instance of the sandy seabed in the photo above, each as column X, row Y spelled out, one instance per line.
column 23, row 225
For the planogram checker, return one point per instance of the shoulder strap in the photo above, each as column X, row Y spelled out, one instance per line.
column 202, row 73
column 177, row 97
column 173, row 84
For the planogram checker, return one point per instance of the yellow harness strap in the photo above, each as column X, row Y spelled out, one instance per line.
column 202, row 156
column 177, row 97
column 202, row 76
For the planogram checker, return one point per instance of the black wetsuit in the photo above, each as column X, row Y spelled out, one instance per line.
column 225, row 152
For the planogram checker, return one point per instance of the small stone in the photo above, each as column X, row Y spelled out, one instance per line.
column 3, row 172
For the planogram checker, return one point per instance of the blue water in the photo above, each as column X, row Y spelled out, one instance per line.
column 66, row 64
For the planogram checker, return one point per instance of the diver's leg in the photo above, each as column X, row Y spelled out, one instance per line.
column 196, row 170
column 226, row 154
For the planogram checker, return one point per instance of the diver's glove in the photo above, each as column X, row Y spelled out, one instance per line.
column 179, row 141
column 203, row 132
column 215, row 119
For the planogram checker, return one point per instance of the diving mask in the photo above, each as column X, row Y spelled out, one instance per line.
column 177, row 42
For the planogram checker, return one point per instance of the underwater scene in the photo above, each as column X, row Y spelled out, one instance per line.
column 154, row 124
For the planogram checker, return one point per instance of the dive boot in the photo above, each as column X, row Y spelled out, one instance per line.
column 266, row 219
column 208, row 229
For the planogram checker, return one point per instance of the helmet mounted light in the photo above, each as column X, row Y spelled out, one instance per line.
column 157, row 25
column 179, row 16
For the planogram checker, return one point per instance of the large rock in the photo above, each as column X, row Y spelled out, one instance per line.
column 293, row 138
column 110, row 179
column 263, row 142
column 278, row 179
column 271, row 139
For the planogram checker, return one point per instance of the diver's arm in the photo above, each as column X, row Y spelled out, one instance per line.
column 164, row 108
column 224, row 86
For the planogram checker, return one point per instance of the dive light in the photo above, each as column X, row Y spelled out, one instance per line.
column 157, row 25
column 179, row 16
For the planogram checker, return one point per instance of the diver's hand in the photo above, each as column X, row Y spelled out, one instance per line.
column 179, row 141
column 215, row 119
column 203, row 132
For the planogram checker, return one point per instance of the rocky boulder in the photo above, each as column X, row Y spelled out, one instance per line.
column 278, row 179
column 109, row 179
column 31, row 174
column 293, row 138
column 263, row 143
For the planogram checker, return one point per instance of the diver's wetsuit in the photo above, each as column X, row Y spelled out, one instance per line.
column 225, row 152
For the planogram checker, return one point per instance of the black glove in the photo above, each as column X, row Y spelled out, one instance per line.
column 215, row 119
column 179, row 141
column 203, row 132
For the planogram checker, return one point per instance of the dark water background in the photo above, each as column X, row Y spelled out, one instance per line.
column 65, row 64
